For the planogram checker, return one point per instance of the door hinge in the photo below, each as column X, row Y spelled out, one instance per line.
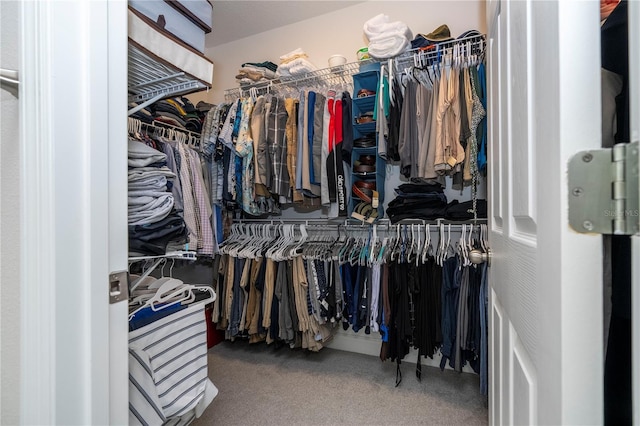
column 603, row 190
column 118, row 286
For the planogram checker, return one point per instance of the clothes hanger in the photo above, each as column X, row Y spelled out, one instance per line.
column 441, row 240
column 427, row 243
column 450, row 251
column 354, row 253
column 297, row 248
column 288, row 238
column 418, row 246
column 383, row 250
column 246, row 251
column 462, row 246
column 411, row 245
column 269, row 239
column 272, row 251
column 396, row 242
column 174, row 291
column 470, row 244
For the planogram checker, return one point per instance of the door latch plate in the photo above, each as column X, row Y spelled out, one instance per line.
column 118, row 286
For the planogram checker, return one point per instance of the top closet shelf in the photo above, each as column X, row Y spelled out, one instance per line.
column 161, row 65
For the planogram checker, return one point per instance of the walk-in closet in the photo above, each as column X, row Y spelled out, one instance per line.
column 318, row 212
column 330, row 202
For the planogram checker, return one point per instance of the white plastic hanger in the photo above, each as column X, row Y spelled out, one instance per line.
column 427, row 244
column 173, row 291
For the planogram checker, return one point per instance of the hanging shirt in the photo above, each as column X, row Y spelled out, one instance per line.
column 244, row 150
column 202, row 206
column 277, row 121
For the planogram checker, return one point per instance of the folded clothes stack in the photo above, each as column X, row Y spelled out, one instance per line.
column 295, row 64
column 153, row 221
column 178, row 112
column 420, row 200
column 256, row 72
column 387, row 38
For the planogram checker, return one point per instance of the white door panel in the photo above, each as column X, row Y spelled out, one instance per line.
column 523, row 380
column 546, row 299
column 497, row 384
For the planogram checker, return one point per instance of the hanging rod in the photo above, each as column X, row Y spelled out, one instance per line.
column 380, row 223
column 178, row 254
column 161, row 125
column 472, row 45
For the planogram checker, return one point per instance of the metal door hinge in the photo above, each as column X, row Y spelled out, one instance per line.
column 603, row 190
column 118, row 286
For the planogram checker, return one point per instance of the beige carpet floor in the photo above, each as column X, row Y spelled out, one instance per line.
column 263, row 385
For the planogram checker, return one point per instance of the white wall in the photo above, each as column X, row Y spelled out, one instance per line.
column 9, row 221
column 339, row 32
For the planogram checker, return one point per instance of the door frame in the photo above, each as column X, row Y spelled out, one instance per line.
column 72, row 92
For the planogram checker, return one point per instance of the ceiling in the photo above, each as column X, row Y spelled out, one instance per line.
column 236, row 19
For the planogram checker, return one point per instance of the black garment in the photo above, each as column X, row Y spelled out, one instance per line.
column 465, row 131
column 617, row 372
column 617, row 376
column 428, row 308
column 395, row 111
column 464, row 210
column 152, row 239
column 415, row 208
column 400, row 332
column 347, row 128
column 615, row 48
column 274, row 327
column 419, row 187
column 260, row 288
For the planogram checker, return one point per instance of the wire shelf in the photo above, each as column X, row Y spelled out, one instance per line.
column 341, row 74
column 338, row 75
column 149, row 78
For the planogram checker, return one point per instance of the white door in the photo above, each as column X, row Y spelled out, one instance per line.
column 73, row 97
column 545, row 305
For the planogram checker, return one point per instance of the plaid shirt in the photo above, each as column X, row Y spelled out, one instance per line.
column 277, row 121
column 187, row 196
column 202, row 207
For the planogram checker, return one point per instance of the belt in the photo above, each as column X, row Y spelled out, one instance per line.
column 365, row 212
column 363, row 168
column 365, row 141
column 369, row 160
column 365, row 164
column 364, row 190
